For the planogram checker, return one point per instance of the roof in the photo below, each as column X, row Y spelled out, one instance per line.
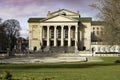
column 35, row 19
column 97, row 23
column 85, row 19
column 82, row 19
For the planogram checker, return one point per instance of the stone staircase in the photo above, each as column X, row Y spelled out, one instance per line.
column 60, row 49
column 51, row 58
column 45, row 58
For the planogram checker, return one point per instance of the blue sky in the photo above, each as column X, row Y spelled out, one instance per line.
column 24, row 9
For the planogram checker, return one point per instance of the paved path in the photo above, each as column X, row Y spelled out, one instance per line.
column 43, row 60
column 49, row 59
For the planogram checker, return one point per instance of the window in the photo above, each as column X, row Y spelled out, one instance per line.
column 101, row 32
column 97, row 28
column 66, row 33
column 93, row 28
column 52, row 33
column 59, row 34
column 97, row 32
column 101, row 28
column 44, row 31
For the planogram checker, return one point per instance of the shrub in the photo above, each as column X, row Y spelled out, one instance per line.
column 48, row 78
column 117, row 61
column 6, row 76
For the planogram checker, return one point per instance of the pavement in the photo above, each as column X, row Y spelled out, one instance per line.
column 49, row 59
column 43, row 60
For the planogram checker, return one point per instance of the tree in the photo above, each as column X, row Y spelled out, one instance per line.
column 110, row 14
column 3, row 37
column 12, row 28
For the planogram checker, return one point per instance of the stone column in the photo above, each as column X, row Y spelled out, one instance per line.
column 69, row 35
column 76, row 37
column 62, row 35
column 80, row 35
column 55, row 36
column 48, row 35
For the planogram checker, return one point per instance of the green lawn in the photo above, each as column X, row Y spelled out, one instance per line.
column 107, row 70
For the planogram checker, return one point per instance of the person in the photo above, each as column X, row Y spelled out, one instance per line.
column 92, row 49
column 86, row 59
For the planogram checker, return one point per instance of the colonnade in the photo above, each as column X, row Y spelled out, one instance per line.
column 62, row 34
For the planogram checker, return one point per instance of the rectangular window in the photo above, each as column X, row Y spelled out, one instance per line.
column 52, row 33
column 66, row 34
column 97, row 32
column 101, row 32
column 59, row 34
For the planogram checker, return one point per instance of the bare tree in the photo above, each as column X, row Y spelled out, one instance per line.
column 12, row 28
column 110, row 14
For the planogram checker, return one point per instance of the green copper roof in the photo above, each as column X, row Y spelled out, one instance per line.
column 89, row 19
column 35, row 19
column 97, row 23
column 85, row 19
column 82, row 19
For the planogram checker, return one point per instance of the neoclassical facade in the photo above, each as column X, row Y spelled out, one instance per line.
column 63, row 31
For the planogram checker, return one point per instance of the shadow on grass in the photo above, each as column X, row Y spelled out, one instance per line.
column 55, row 65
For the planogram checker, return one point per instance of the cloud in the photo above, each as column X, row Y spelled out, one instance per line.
column 24, row 33
column 26, row 8
column 23, row 9
column 17, row 1
column 29, row 10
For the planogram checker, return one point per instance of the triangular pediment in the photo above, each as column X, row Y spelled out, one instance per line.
column 58, row 18
column 67, row 12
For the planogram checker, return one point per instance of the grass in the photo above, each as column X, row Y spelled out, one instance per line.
column 106, row 70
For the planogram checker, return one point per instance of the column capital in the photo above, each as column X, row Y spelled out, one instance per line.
column 62, row 26
column 69, row 26
column 55, row 26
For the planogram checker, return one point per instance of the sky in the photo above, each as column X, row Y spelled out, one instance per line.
column 22, row 10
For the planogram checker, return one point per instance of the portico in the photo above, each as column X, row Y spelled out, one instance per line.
column 60, row 35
